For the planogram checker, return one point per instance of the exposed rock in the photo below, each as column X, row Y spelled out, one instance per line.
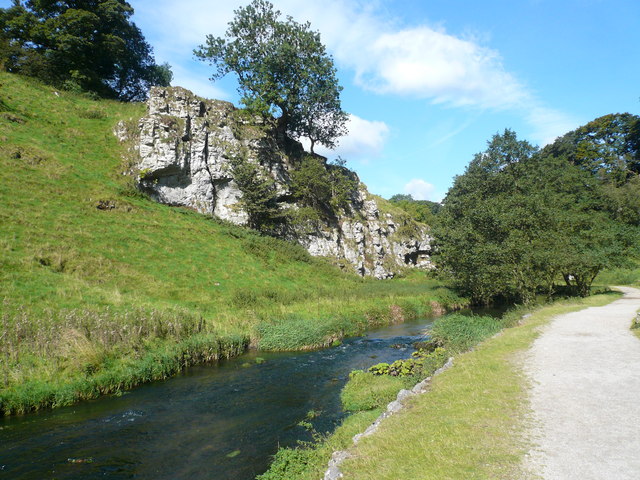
column 333, row 472
column 185, row 145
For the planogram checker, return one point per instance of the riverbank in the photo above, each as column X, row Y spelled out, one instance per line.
column 102, row 289
column 57, row 363
column 219, row 421
column 469, row 425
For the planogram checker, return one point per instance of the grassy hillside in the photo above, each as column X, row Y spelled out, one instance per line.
column 102, row 288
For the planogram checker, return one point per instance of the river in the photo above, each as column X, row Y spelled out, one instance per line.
column 220, row 422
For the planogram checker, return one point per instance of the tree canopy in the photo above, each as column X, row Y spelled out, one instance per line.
column 518, row 220
column 608, row 147
column 282, row 69
column 87, row 45
column 423, row 211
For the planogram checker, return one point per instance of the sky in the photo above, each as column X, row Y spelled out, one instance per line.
column 428, row 82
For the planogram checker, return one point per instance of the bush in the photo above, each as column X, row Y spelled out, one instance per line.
column 421, row 364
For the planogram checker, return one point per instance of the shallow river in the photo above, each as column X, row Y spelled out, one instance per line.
column 212, row 422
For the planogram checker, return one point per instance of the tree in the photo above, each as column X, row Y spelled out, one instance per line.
column 481, row 210
column 517, row 221
column 608, row 147
column 423, row 211
column 259, row 195
column 283, row 70
column 89, row 45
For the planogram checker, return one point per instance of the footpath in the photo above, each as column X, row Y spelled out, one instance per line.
column 584, row 371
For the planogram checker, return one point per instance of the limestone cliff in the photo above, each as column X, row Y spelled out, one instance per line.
column 184, row 149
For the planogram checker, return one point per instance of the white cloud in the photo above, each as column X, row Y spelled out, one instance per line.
column 385, row 57
column 365, row 137
column 548, row 124
column 426, row 63
column 419, row 189
column 365, row 140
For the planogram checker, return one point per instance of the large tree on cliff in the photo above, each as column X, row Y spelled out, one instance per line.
column 283, row 70
column 88, row 45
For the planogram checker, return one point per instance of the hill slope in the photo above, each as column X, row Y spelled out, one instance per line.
column 103, row 288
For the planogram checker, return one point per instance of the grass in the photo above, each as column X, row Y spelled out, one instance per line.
column 458, row 333
column 621, row 276
column 96, row 279
column 469, row 426
column 366, row 391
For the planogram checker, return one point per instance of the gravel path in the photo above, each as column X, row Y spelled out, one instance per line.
column 585, row 395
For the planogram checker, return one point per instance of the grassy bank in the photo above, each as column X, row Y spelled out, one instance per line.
column 102, row 289
column 468, row 426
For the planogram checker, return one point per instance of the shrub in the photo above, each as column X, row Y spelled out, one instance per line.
column 422, row 363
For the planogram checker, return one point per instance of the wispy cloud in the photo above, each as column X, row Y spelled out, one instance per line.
column 425, row 62
column 421, row 62
column 420, row 189
column 364, row 141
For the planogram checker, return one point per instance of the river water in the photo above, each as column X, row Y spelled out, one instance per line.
column 217, row 422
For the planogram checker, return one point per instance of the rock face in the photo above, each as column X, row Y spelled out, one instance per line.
column 184, row 147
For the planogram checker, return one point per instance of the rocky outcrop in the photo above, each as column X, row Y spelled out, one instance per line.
column 184, row 149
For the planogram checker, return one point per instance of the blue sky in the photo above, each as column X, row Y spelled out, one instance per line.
column 428, row 82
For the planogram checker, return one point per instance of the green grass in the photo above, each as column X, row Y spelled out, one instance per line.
column 310, row 463
column 366, row 391
column 469, row 425
column 620, row 276
column 89, row 294
column 458, row 333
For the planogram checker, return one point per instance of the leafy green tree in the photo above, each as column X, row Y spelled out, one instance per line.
column 608, row 147
column 88, row 45
column 423, row 211
column 517, row 221
column 473, row 230
column 259, row 195
column 283, row 70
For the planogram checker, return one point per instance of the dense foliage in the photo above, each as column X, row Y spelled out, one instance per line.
column 259, row 195
column 282, row 69
column 83, row 45
column 423, row 211
column 518, row 220
column 608, row 147
column 327, row 188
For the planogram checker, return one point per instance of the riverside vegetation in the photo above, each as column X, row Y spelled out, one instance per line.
column 481, row 398
column 103, row 289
